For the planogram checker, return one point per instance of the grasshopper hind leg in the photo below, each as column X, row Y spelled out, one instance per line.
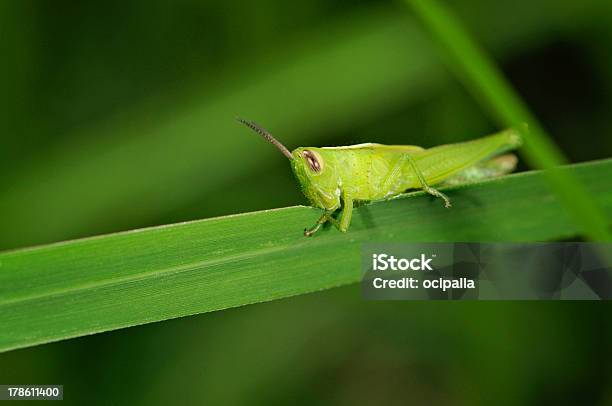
column 425, row 186
column 437, row 193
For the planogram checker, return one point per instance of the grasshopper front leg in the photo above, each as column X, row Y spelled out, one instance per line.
column 347, row 213
column 325, row 217
column 342, row 225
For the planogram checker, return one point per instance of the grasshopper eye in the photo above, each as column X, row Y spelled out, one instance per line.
column 313, row 160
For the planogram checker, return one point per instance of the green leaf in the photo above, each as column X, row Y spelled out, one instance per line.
column 87, row 286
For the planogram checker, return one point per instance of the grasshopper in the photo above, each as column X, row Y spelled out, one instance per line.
column 335, row 178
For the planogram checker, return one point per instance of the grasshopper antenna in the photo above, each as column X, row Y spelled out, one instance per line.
column 259, row 130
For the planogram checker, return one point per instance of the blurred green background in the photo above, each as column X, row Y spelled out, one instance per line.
column 118, row 115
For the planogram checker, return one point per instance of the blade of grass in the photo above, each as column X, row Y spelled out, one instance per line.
column 482, row 77
column 87, row 286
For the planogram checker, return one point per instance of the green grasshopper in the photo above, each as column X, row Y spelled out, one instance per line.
column 337, row 177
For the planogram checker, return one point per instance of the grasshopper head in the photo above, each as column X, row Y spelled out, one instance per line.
column 314, row 169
